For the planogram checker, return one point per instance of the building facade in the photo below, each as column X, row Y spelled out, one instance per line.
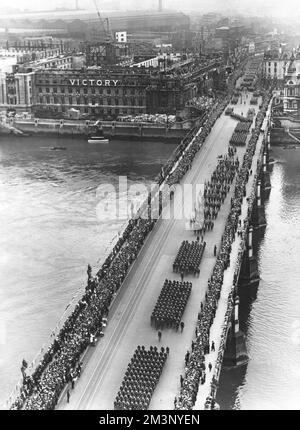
column 275, row 64
column 108, row 91
column 291, row 91
column 96, row 92
column 17, row 91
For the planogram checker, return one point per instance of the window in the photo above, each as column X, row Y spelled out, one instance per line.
column 70, row 100
column 47, row 90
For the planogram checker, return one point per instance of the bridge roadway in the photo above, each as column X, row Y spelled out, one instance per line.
column 216, row 328
column 129, row 318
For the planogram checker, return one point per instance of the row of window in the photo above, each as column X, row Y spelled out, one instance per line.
column 292, row 92
column 62, row 80
column 101, row 111
column 86, row 101
column 72, row 90
column 290, row 104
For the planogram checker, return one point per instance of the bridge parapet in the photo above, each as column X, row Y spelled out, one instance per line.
column 231, row 319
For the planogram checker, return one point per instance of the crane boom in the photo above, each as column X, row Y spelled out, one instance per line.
column 107, row 35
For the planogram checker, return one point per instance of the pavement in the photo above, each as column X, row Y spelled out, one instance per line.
column 129, row 317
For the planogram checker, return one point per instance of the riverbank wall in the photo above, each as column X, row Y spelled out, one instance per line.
column 112, row 129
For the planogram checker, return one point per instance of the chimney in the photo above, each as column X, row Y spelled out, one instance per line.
column 160, row 6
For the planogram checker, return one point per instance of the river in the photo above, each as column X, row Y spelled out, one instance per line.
column 271, row 379
column 50, row 229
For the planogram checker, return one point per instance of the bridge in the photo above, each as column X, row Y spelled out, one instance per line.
column 129, row 315
column 128, row 322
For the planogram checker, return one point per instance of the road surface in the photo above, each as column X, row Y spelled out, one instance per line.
column 129, row 318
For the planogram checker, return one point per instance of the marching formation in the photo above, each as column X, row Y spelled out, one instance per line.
column 170, row 305
column 61, row 361
column 189, row 258
column 216, row 190
column 141, row 378
column 201, row 346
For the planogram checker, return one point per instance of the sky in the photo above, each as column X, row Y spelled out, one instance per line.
column 277, row 8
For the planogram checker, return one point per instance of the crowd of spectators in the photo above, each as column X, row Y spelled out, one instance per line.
column 191, row 144
column 141, row 378
column 150, row 118
column 201, row 103
column 189, row 152
column 42, row 389
column 201, row 346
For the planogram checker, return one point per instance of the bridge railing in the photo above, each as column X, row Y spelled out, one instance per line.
column 242, row 248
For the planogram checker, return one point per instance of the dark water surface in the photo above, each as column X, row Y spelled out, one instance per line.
column 272, row 377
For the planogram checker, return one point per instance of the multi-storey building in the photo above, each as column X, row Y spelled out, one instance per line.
column 16, row 90
column 95, row 91
column 274, row 64
column 291, row 92
column 108, row 91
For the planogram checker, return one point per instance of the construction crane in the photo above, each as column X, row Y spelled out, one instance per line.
column 106, row 31
column 101, row 51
